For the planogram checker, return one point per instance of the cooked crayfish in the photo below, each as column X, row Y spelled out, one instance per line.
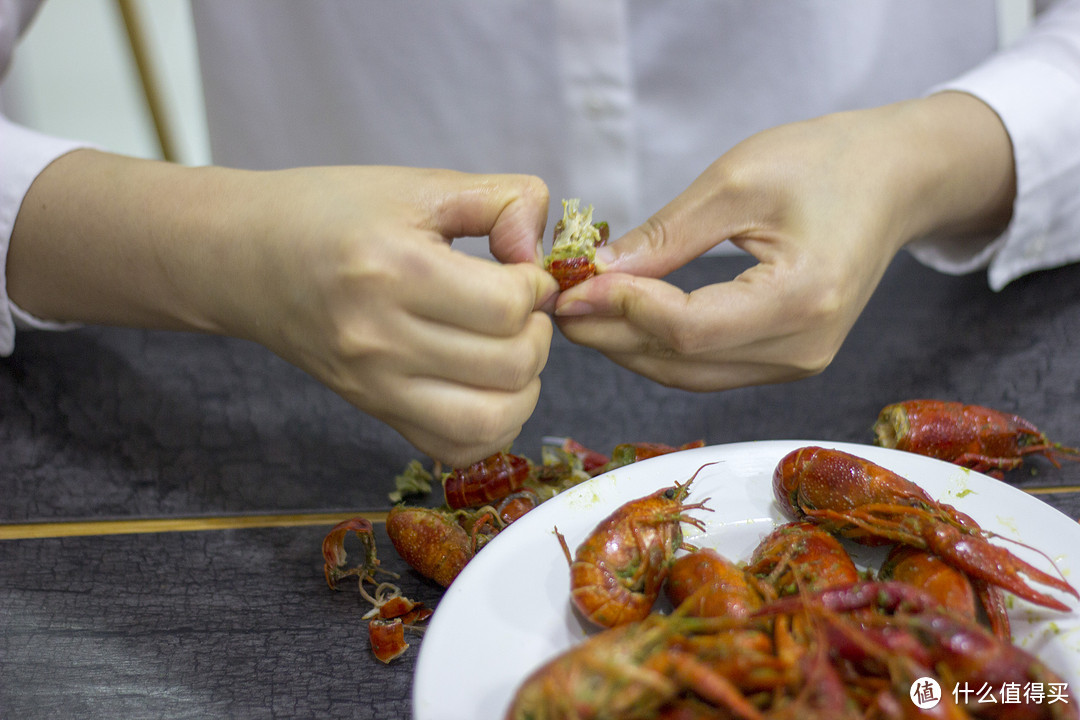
column 798, row 632
column 439, row 543
column 485, row 481
column 949, row 585
column 485, row 497
column 910, row 636
column 975, row 437
column 860, row 500
column 629, row 671
column 704, row 583
column 618, row 572
column 800, row 556
column 572, row 258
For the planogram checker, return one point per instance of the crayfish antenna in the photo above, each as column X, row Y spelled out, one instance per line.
column 565, row 547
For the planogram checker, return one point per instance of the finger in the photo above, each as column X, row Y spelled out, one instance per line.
column 484, row 361
column 750, row 320
column 459, row 425
column 628, row 314
column 510, row 209
column 476, row 294
column 707, row 377
column 695, row 221
column 721, row 315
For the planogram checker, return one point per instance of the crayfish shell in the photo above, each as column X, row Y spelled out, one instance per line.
column 571, row 271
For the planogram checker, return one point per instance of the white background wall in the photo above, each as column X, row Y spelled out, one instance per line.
column 74, row 74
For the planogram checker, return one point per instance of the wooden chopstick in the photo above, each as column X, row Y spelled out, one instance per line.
column 37, row 530
column 1051, row 489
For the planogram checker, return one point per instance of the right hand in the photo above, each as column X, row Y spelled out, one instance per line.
column 823, row 206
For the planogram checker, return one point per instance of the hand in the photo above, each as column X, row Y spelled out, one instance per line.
column 444, row 347
column 346, row 272
column 823, row 206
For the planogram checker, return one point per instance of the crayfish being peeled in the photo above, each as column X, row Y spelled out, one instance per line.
column 972, row 436
column 573, row 253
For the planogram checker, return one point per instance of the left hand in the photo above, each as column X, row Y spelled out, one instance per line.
column 824, row 206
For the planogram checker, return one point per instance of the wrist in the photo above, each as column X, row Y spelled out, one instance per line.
column 956, row 158
column 108, row 239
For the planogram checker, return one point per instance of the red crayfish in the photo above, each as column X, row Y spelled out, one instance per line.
column 900, row 632
column 797, row 631
column 629, row 671
column 572, row 258
column 857, row 499
column 972, row 436
column 617, row 573
column 485, row 497
column 439, row 543
column 490, row 479
column 801, row 556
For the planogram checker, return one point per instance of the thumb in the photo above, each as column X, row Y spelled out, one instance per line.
column 510, row 209
column 692, row 223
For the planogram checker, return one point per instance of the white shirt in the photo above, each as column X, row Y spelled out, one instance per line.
column 620, row 102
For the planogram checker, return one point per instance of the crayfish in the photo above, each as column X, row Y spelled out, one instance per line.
column 972, row 436
column 573, row 253
column 797, row 631
column 439, row 543
column 490, row 479
column 487, row 496
column 617, row 573
column 867, row 503
column 898, row 631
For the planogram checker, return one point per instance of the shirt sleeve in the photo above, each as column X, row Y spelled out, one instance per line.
column 1034, row 87
column 23, row 155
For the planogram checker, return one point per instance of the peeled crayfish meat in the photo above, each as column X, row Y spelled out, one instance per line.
column 573, row 253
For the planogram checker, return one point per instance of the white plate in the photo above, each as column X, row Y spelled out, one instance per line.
column 509, row 611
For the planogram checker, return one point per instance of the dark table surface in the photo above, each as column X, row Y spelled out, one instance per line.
column 225, row 612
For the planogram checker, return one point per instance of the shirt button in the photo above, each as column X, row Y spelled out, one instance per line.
column 597, row 106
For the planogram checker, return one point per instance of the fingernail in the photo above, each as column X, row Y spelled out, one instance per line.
column 548, row 304
column 573, row 308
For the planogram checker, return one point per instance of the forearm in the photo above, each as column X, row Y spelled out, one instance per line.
column 102, row 238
